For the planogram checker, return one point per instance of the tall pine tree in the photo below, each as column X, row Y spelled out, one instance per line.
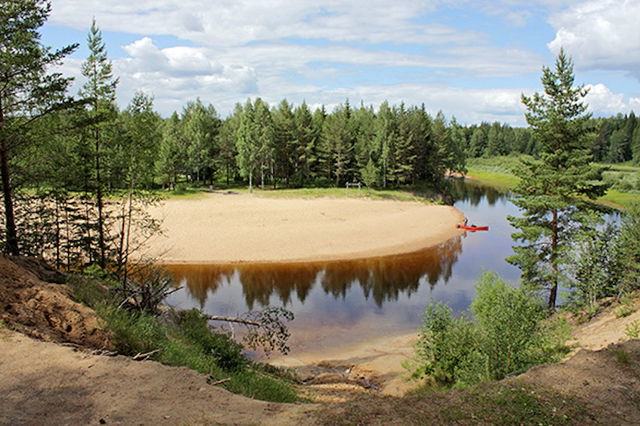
column 100, row 89
column 551, row 189
column 28, row 91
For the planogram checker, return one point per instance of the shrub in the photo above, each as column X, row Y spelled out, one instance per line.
column 226, row 352
column 633, row 330
column 445, row 344
column 509, row 320
column 508, row 336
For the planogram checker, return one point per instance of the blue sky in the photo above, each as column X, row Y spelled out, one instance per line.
column 469, row 58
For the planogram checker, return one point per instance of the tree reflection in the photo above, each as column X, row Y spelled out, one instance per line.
column 474, row 192
column 381, row 278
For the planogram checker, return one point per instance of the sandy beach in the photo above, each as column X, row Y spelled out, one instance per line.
column 231, row 228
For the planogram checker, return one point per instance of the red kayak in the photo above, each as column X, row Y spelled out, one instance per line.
column 473, row 228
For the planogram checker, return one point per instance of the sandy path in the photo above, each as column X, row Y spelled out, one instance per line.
column 246, row 228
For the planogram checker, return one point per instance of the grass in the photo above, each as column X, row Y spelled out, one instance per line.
column 497, row 403
column 627, row 306
column 189, row 343
column 497, row 171
column 514, row 403
column 622, row 356
column 502, row 180
column 418, row 193
column 369, row 193
column 633, row 330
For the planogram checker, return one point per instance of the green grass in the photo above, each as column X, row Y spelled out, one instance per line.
column 421, row 194
column 369, row 193
column 503, row 180
column 190, row 343
column 632, row 330
column 496, row 171
column 500, row 403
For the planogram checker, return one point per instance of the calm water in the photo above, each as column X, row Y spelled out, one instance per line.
column 346, row 302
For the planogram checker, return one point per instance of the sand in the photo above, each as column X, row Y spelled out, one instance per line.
column 230, row 228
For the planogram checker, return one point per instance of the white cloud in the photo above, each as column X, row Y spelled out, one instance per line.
column 600, row 34
column 602, row 101
column 236, row 22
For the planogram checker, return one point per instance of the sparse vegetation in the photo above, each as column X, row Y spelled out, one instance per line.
column 189, row 342
column 633, row 330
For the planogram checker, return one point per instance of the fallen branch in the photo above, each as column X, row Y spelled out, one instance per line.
column 143, row 357
column 218, row 382
column 231, row 319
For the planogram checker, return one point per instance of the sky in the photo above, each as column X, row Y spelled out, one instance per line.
column 471, row 59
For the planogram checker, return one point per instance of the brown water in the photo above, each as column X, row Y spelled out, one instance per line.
column 341, row 303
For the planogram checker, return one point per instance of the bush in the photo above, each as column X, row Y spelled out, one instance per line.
column 226, row 351
column 508, row 336
column 445, row 344
column 509, row 320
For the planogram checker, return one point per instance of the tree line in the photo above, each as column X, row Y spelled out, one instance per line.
column 611, row 140
column 295, row 146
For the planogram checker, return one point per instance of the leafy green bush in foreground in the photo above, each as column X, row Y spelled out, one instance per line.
column 509, row 335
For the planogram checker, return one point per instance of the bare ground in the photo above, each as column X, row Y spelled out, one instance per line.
column 218, row 228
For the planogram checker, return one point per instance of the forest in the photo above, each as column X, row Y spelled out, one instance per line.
column 77, row 164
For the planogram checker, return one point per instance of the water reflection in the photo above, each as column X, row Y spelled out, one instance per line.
column 381, row 279
column 342, row 303
column 474, row 193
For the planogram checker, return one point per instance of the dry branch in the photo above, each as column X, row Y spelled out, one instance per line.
column 143, row 357
column 218, row 382
column 231, row 319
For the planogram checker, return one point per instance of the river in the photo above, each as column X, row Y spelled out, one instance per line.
column 343, row 303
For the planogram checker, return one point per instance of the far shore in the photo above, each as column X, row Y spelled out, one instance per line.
column 240, row 228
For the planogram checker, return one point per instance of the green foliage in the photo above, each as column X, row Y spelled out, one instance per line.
column 596, row 264
column 632, row 330
column 447, row 345
column 550, row 187
column 627, row 306
column 515, row 404
column 192, row 344
column 29, row 93
column 621, row 355
column 226, row 352
column 509, row 320
column 509, row 336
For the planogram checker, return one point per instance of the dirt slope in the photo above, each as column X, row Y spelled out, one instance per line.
column 46, row 383
column 45, row 310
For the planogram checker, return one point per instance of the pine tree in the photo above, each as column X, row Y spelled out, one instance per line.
column 285, row 143
column 27, row 91
column 385, row 137
column 551, row 189
column 100, row 89
column 306, row 141
column 247, row 143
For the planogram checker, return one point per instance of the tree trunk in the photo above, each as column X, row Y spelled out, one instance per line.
column 10, row 220
column 101, row 243
column 553, row 293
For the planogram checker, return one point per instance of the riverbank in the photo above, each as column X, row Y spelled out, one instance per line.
column 81, row 382
column 236, row 227
column 496, row 171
